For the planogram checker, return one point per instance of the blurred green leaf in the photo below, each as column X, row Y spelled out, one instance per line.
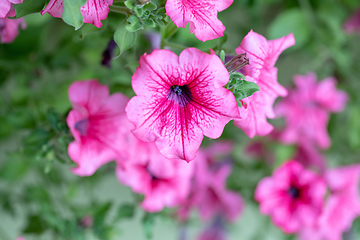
column 134, row 25
column 148, row 223
column 35, row 225
column 291, row 21
column 125, row 211
column 29, row 6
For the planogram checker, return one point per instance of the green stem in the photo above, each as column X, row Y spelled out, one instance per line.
column 172, row 45
column 119, row 9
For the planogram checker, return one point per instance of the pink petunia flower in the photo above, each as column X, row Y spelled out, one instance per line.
column 293, row 197
column 179, row 100
column 163, row 182
column 9, row 29
column 93, row 11
column 342, row 207
column 201, row 14
column 310, row 156
column 98, row 124
column 262, row 55
column 208, row 193
column 20, row 238
column 352, row 24
column 7, row 8
column 307, row 108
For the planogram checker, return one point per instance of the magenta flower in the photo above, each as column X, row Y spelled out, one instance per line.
column 293, row 197
column 93, row 11
column 262, row 55
column 9, row 29
column 98, row 124
column 307, row 109
column 163, row 182
column 179, row 100
column 342, row 206
column 201, row 14
column 310, row 156
column 352, row 24
column 208, row 193
column 7, row 8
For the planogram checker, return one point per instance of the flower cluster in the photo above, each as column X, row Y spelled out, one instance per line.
column 295, row 199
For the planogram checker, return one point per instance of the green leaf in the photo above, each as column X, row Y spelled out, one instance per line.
column 125, row 211
column 134, row 25
column 123, row 38
column 169, row 30
column 139, row 12
column 150, row 6
column 241, row 88
column 72, row 14
column 148, row 223
column 35, row 225
column 129, row 4
column 29, row 6
column 149, row 22
column 291, row 21
column 222, row 56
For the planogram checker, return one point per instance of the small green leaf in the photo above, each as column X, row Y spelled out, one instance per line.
column 123, row 38
column 149, row 22
column 29, row 6
column 241, row 88
column 139, row 12
column 72, row 14
column 148, row 223
column 150, row 6
column 129, row 4
column 222, row 56
column 125, row 211
column 134, row 25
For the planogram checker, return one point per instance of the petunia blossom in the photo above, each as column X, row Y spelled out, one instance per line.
column 201, row 14
column 93, row 11
column 310, row 156
column 262, row 55
column 163, row 182
column 7, row 8
column 307, row 110
column 342, row 206
column 293, row 197
column 99, row 125
column 179, row 100
column 9, row 29
column 208, row 193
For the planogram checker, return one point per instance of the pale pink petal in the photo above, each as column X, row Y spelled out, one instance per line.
column 55, row 8
column 4, row 8
column 96, row 10
column 201, row 15
column 9, row 29
column 329, row 97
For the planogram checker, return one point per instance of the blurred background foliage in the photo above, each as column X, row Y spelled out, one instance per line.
column 42, row 199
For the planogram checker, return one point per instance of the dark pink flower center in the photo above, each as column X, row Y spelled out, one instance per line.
column 82, row 126
column 294, row 192
column 180, row 94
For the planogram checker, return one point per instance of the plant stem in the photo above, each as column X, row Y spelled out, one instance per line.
column 119, row 9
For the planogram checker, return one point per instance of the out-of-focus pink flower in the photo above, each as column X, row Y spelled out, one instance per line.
column 342, row 207
column 9, row 29
column 293, row 197
column 93, row 11
column 7, row 8
column 216, row 231
column 20, row 238
column 99, row 125
column 306, row 110
column 179, row 100
column 208, row 193
column 163, row 182
column 262, row 55
column 308, row 154
column 352, row 24
column 201, row 14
